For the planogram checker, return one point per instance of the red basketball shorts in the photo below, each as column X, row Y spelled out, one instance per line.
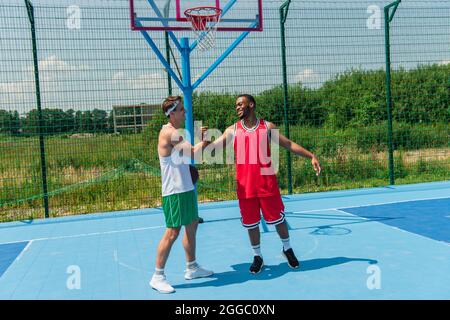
column 272, row 209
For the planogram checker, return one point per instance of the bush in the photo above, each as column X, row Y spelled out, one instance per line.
column 405, row 137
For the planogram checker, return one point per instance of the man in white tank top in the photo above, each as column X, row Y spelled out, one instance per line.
column 178, row 195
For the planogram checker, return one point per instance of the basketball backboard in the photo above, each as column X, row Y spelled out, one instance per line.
column 168, row 15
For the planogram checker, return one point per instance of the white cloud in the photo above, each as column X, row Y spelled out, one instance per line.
column 307, row 75
column 147, row 81
column 53, row 66
column 51, row 69
column 118, row 75
column 16, row 87
column 53, row 63
column 444, row 62
column 16, row 93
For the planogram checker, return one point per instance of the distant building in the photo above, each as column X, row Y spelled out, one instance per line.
column 133, row 117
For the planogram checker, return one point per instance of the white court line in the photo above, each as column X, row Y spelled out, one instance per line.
column 120, row 263
column 20, row 255
column 158, row 227
column 24, row 250
column 85, row 235
column 316, row 245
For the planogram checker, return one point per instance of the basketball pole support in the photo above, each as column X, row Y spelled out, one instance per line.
column 185, row 83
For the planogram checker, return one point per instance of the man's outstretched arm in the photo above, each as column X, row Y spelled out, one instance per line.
column 184, row 146
column 223, row 140
column 295, row 148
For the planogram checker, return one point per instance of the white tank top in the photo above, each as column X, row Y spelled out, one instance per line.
column 175, row 176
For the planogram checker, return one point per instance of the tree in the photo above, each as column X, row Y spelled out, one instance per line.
column 9, row 122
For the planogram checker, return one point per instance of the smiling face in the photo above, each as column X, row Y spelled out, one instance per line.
column 244, row 107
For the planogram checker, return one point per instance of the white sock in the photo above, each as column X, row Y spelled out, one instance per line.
column 257, row 250
column 286, row 244
column 192, row 265
column 159, row 272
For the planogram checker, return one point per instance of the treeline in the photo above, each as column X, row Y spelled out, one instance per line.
column 352, row 99
column 356, row 98
column 56, row 121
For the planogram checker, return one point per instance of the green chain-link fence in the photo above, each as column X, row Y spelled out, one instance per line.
column 100, row 87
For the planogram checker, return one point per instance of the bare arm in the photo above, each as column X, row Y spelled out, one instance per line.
column 170, row 138
column 296, row 149
column 222, row 141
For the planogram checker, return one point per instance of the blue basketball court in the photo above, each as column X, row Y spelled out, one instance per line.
column 380, row 243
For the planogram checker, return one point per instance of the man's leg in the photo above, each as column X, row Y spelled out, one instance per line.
column 251, row 216
column 158, row 281
column 255, row 240
column 273, row 212
column 283, row 232
column 255, row 236
column 193, row 270
column 165, row 245
column 190, row 232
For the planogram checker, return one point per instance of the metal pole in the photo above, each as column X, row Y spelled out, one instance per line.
column 387, row 19
column 169, row 78
column 166, row 11
column 187, row 91
column 283, row 16
column 187, row 95
column 30, row 11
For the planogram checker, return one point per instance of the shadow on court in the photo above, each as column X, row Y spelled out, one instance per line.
column 241, row 274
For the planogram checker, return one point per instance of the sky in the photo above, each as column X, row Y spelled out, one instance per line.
column 89, row 58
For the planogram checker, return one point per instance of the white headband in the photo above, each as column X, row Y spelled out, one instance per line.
column 173, row 107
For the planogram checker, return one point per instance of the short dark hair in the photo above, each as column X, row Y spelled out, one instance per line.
column 169, row 101
column 249, row 97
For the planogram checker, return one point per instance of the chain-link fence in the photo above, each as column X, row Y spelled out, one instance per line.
column 89, row 144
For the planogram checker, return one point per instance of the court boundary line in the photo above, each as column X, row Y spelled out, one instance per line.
column 162, row 226
column 23, row 251
column 331, row 194
column 81, row 235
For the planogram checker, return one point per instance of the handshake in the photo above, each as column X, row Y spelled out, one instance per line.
column 205, row 141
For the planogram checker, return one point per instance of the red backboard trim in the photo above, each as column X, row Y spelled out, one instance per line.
column 188, row 28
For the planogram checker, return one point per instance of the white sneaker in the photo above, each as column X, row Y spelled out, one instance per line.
column 160, row 284
column 199, row 272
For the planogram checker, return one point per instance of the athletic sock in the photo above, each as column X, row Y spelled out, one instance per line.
column 257, row 250
column 159, row 272
column 286, row 244
column 192, row 265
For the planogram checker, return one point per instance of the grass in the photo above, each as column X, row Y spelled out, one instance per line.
column 99, row 173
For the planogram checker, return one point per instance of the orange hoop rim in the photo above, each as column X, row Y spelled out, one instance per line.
column 190, row 14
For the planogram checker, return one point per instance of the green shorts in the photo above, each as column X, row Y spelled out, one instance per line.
column 180, row 209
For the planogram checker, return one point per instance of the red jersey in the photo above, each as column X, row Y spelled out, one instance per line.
column 254, row 173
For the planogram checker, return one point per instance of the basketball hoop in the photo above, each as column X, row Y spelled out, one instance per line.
column 204, row 22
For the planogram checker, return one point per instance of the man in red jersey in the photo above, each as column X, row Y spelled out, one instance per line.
column 257, row 185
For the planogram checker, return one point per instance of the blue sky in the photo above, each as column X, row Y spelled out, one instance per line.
column 103, row 63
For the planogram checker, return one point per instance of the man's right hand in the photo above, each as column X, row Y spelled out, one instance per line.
column 204, row 131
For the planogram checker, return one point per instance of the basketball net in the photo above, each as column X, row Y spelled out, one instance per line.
column 204, row 23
